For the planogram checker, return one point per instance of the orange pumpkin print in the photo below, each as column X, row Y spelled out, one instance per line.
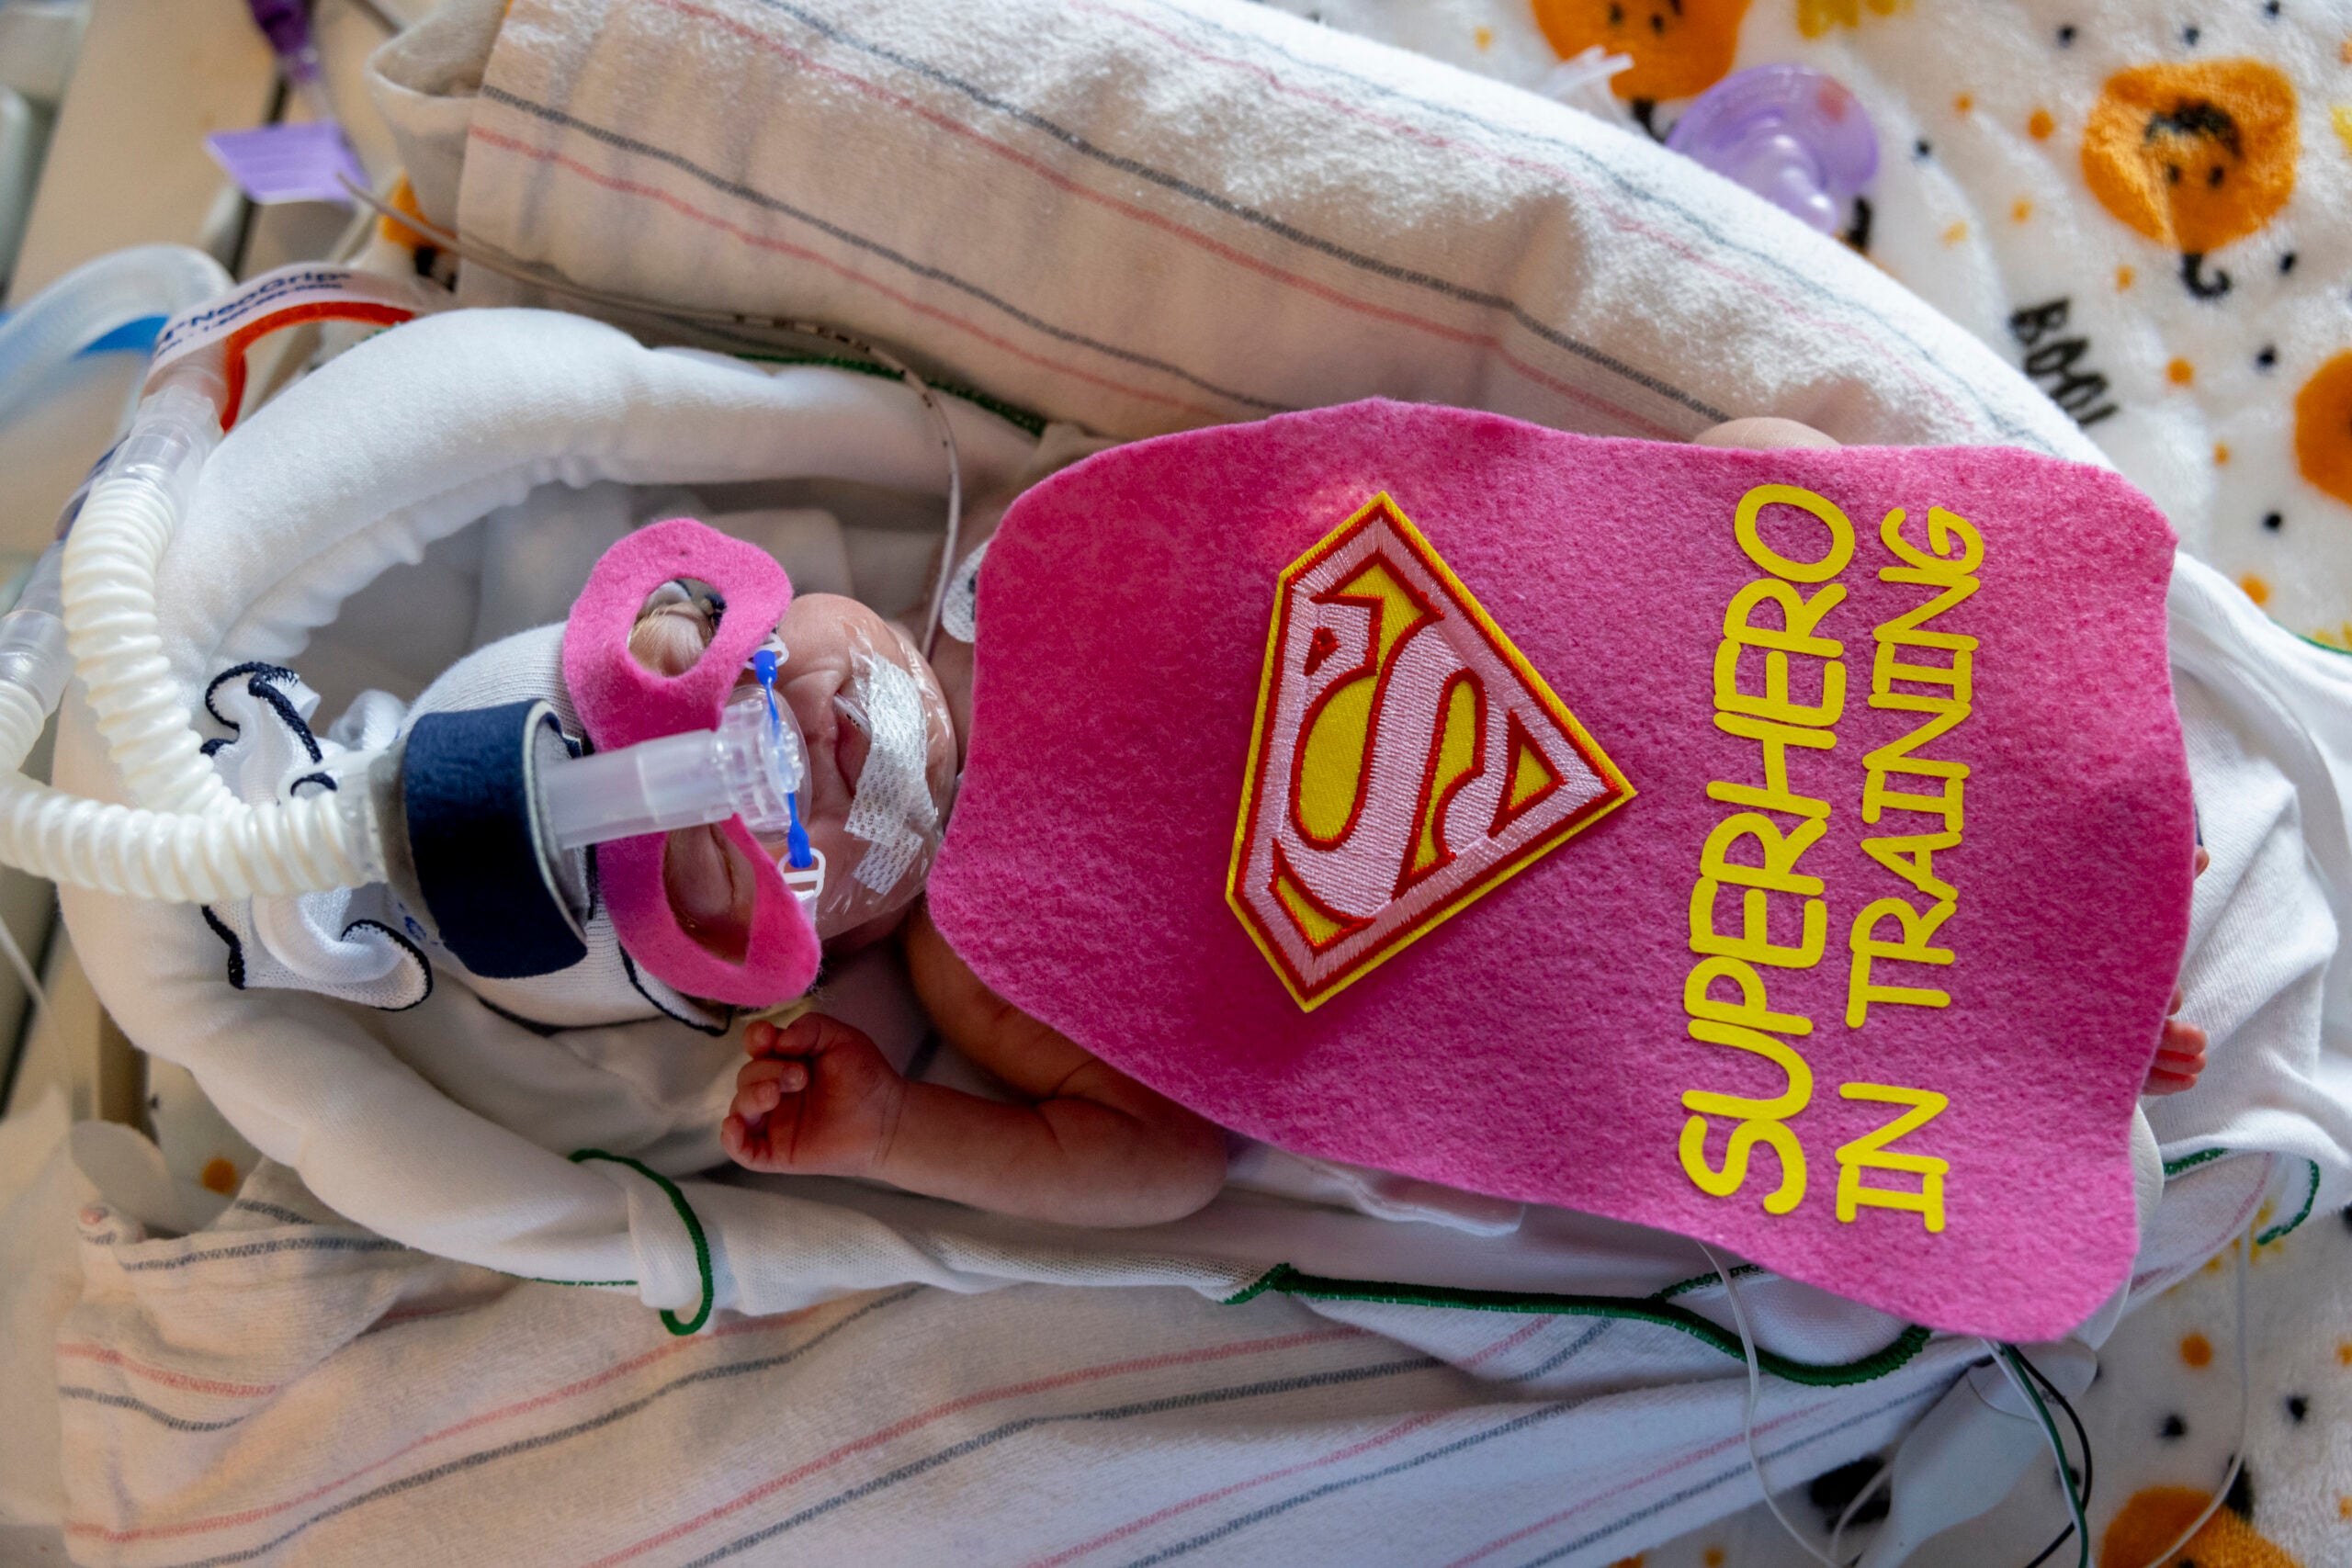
column 2194, row 157
column 1816, row 17
column 2324, row 428
column 1677, row 47
column 2154, row 1520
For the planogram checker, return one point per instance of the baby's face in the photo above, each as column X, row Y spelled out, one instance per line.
column 837, row 655
column 872, row 714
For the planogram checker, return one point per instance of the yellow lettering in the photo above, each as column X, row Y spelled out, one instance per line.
column 1940, row 567
column 1912, row 857
column 1841, row 534
column 1754, row 941
column 1757, row 1121
column 1912, row 948
column 1723, row 1183
column 1896, row 757
column 1776, row 740
column 1954, row 551
column 1886, row 668
column 1913, row 622
column 1781, row 851
column 1870, row 1152
column 1787, row 1103
column 1877, row 798
column 1799, row 616
column 1776, row 704
column 1750, row 1012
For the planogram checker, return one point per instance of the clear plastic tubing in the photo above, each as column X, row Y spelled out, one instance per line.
column 187, row 839
column 109, row 583
column 94, row 298
column 749, row 766
column 33, row 660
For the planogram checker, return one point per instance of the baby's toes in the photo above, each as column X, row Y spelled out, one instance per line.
column 2180, row 1059
column 2182, row 1042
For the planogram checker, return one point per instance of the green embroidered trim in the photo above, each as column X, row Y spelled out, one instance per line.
column 1701, row 1282
column 1289, row 1281
column 2310, row 1196
column 694, row 1228
column 1011, row 413
column 1259, row 1286
column 2276, row 1233
column 2189, row 1162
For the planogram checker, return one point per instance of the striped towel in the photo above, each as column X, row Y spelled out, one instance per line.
column 1146, row 215
column 284, row 1388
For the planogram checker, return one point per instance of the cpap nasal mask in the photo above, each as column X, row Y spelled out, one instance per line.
column 474, row 820
column 753, row 765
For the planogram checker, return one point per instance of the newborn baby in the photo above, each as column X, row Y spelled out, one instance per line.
column 1086, row 1146
column 1091, row 1145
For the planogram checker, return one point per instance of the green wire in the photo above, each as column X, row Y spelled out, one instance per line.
column 2065, row 1478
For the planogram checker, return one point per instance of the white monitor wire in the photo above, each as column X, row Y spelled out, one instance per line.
column 2007, row 1358
column 732, row 321
column 2243, row 1250
column 2003, row 1356
column 1748, row 1417
column 36, row 998
column 1877, row 1483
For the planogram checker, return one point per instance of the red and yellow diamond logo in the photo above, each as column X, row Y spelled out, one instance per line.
column 1406, row 759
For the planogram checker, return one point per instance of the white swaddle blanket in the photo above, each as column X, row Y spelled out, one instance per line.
column 1266, row 214
column 1335, row 223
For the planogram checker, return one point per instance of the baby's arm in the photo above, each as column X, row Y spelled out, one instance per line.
column 1094, row 1148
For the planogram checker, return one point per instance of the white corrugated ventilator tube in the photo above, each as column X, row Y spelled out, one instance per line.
column 89, row 609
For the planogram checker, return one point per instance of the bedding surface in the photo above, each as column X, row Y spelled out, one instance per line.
column 2145, row 206
column 1136, row 294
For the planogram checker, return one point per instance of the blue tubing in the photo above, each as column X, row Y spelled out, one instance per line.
column 92, row 302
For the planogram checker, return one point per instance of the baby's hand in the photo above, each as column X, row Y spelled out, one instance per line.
column 2180, row 1054
column 816, row 1099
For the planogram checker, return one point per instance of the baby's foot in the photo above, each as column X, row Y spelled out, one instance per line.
column 816, row 1099
column 2180, row 1054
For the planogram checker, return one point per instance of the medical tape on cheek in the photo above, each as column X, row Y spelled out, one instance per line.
column 892, row 814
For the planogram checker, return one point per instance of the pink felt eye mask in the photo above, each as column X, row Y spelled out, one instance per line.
column 621, row 702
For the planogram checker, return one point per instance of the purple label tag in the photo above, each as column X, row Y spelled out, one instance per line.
column 287, row 162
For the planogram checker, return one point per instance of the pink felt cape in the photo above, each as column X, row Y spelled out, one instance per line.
column 621, row 702
column 1534, row 1045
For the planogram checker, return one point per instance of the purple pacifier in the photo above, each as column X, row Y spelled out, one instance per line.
column 1793, row 136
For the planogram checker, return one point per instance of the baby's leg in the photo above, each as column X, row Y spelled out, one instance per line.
column 1096, row 1149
